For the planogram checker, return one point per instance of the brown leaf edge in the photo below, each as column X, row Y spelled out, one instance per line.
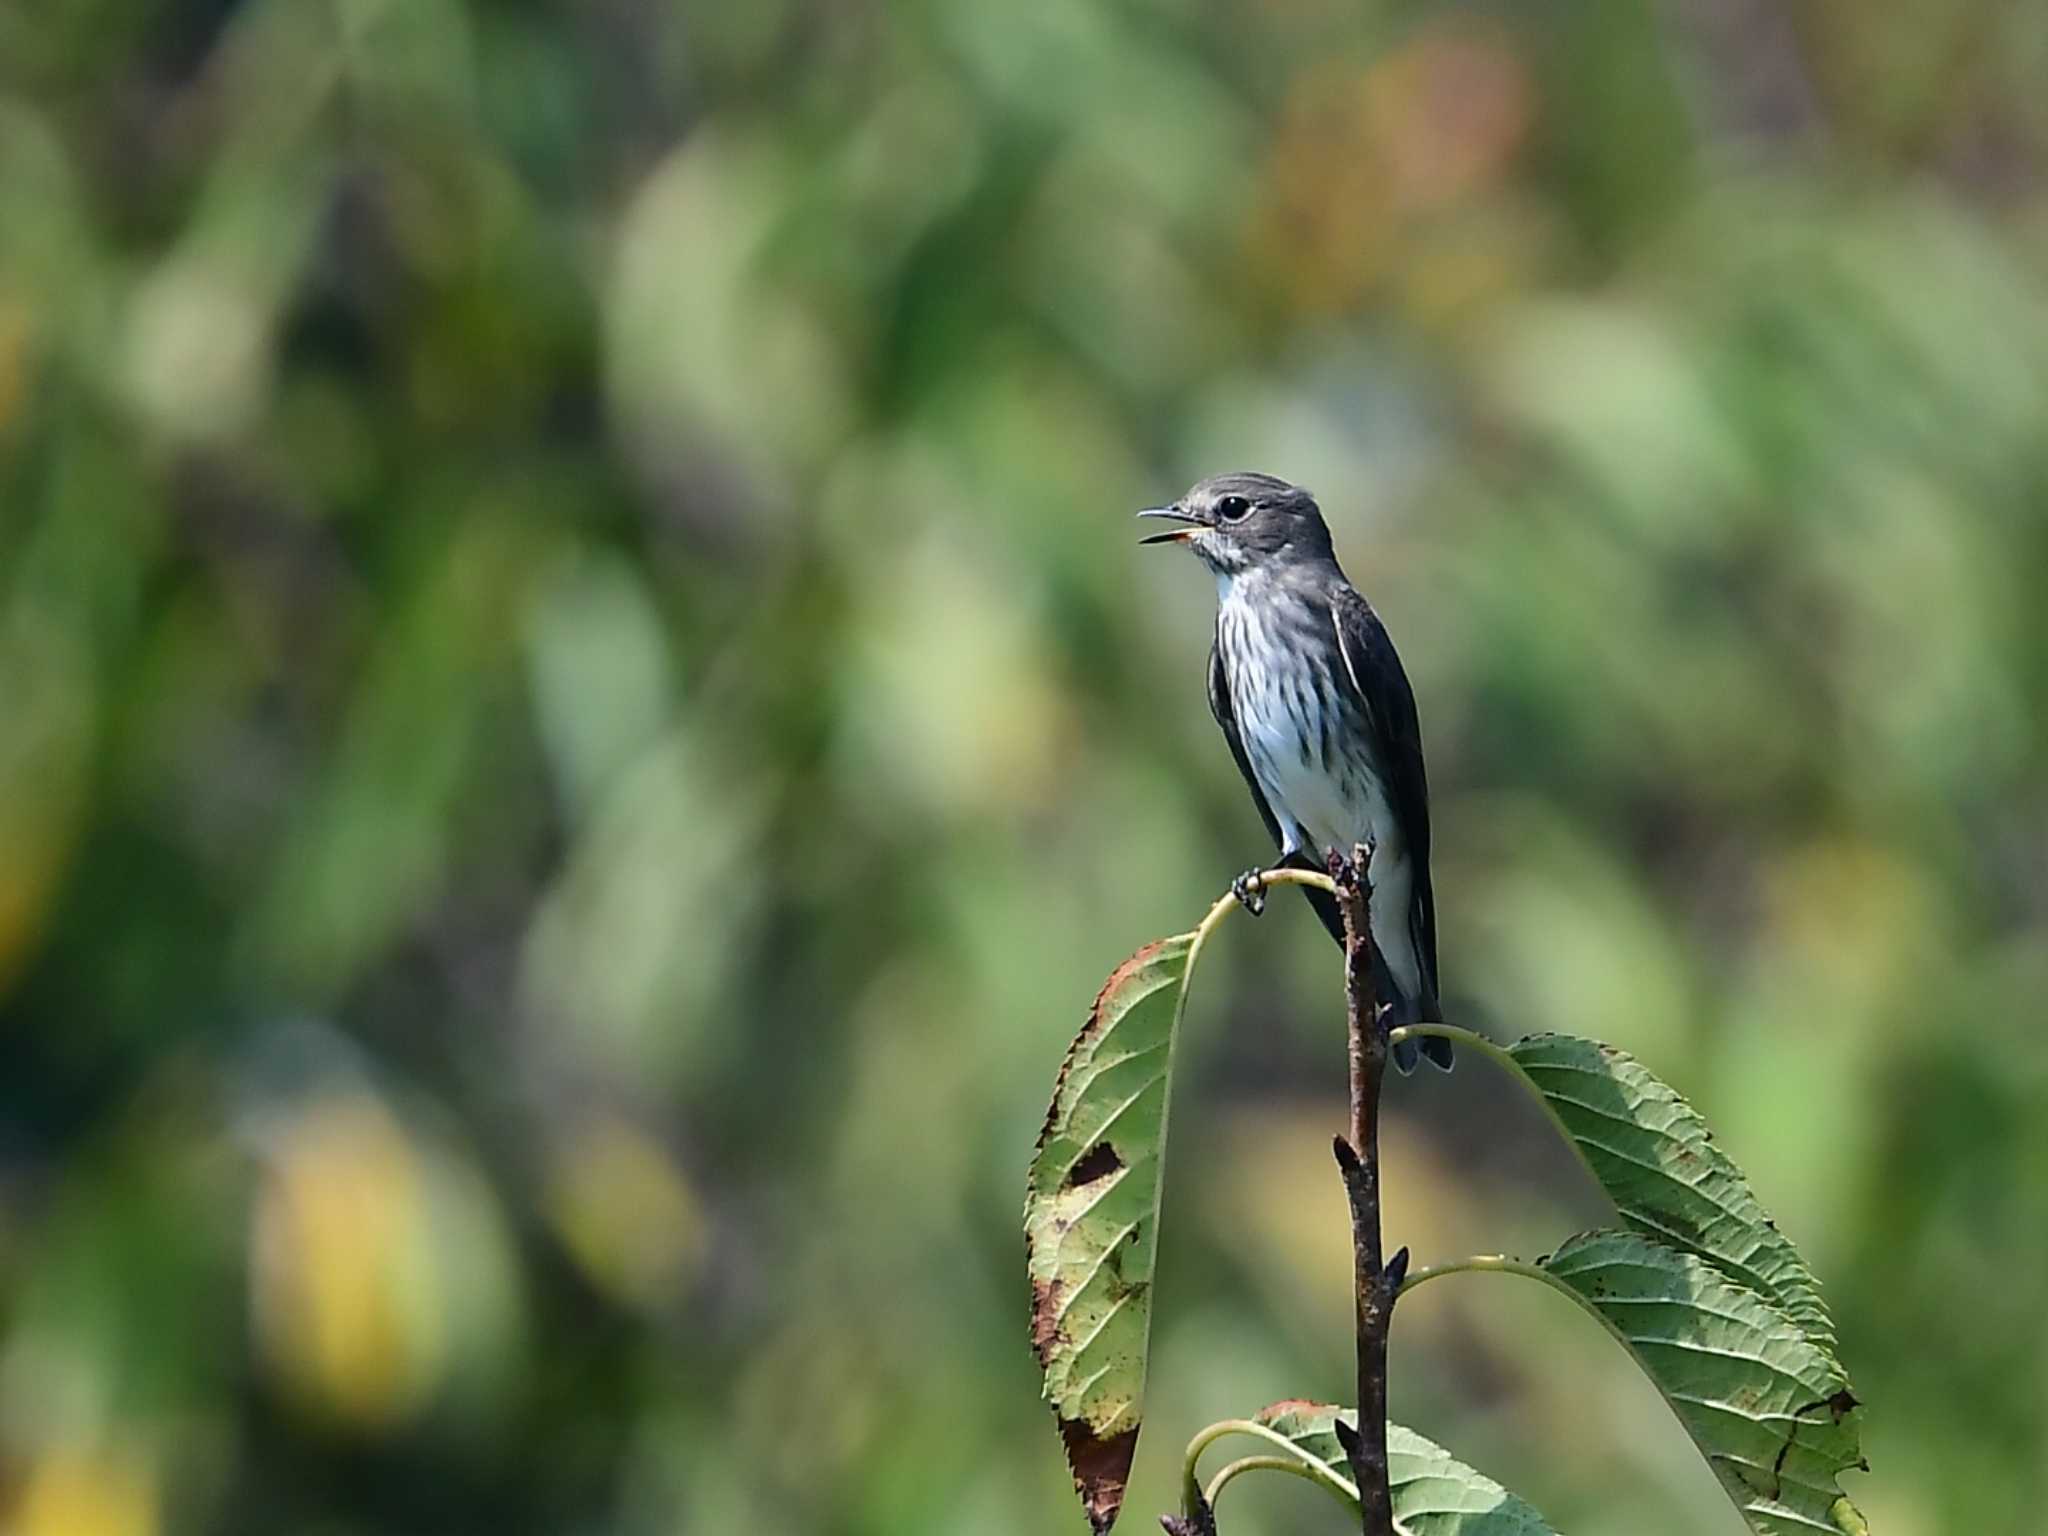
column 1123, row 973
column 1101, row 1468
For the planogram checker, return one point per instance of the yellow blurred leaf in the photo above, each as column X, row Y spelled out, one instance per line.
column 627, row 1212
column 69, row 1492
column 45, row 735
column 345, row 1283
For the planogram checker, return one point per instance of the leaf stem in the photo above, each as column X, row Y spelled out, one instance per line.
column 1318, row 1470
column 1466, row 1040
column 1501, row 1264
column 1500, row 1055
column 1190, row 1477
column 1315, row 1472
column 1228, row 903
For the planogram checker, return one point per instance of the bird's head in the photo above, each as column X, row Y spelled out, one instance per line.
column 1239, row 522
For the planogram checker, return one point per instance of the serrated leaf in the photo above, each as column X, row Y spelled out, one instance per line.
column 1434, row 1493
column 1659, row 1164
column 1091, row 1218
column 1767, row 1406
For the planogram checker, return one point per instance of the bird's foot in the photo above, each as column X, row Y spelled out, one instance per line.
column 1354, row 865
column 1250, row 890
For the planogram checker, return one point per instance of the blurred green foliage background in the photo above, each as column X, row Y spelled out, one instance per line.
column 580, row 718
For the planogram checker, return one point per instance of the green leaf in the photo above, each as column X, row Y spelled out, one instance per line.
column 1091, row 1218
column 1658, row 1162
column 1706, row 1294
column 1435, row 1494
column 1768, row 1407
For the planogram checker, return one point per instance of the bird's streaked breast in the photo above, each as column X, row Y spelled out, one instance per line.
column 1303, row 733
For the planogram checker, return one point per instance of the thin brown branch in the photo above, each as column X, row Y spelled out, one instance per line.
column 1359, row 1160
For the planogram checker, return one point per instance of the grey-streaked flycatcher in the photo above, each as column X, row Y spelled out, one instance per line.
column 1319, row 715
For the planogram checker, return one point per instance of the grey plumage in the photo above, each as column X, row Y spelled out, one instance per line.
column 1319, row 716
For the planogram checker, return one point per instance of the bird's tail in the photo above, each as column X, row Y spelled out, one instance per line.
column 1405, row 1010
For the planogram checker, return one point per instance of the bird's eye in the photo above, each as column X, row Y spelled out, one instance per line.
column 1233, row 509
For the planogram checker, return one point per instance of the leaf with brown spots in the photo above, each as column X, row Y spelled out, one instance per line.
column 1091, row 1218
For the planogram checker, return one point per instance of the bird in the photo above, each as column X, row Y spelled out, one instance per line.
column 1320, row 718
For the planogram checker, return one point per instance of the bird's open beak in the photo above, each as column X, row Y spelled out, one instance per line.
column 1178, row 534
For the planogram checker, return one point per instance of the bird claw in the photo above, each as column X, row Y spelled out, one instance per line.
column 1250, row 890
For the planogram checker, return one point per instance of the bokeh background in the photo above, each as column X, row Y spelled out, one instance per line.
column 580, row 718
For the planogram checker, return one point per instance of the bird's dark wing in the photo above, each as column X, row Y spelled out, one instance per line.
column 1374, row 670
column 1219, row 705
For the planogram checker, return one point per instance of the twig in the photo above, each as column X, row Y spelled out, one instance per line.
column 1201, row 1523
column 1359, row 1161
